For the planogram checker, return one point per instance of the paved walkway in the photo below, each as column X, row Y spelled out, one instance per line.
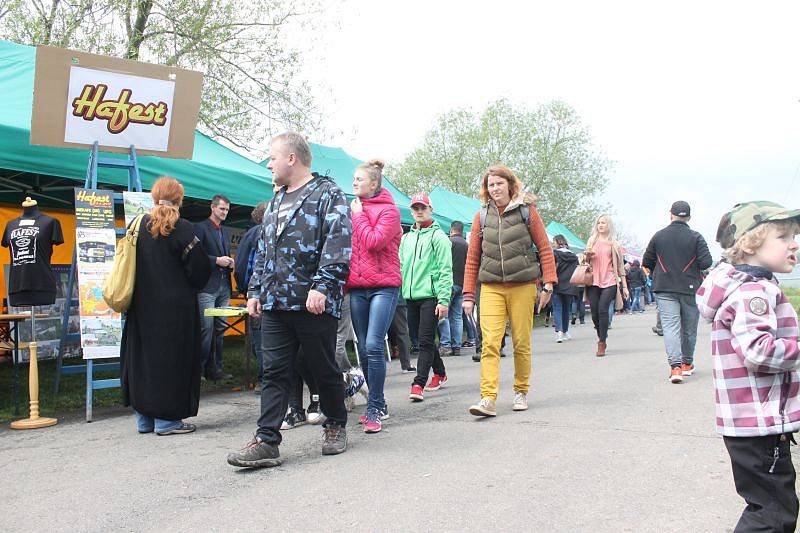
column 608, row 445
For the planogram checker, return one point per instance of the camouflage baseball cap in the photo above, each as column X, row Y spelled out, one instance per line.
column 744, row 217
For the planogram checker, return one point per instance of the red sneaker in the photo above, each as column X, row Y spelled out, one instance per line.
column 676, row 375
column 437, row 382
column 416, row 393
column 687, row 370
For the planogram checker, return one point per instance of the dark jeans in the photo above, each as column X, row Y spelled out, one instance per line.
column 255, row 343
column 212, row 328
column 771, row 498
column 599, row 302
column 289, row 338
column 371, row 311
column 423, row 313
column 578, row 307
column 398, row 335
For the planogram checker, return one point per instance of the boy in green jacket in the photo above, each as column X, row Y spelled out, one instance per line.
column 426, row 265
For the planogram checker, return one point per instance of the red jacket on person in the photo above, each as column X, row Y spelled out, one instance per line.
column 376, row 239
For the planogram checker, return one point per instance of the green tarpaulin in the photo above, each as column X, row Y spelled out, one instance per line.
column 556, row 228
column 213, row 168
column 455, row 206
column 334, row 162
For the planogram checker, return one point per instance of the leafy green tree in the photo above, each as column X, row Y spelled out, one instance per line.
column 251, row 71
column 548, row 148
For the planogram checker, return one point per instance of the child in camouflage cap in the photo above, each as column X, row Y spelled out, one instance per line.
column 756, row 358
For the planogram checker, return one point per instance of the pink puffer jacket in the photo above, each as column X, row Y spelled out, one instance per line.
column 376, row 240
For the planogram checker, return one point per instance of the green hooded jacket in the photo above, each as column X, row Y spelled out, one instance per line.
column 426, row 264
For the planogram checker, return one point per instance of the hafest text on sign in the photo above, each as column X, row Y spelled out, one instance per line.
column 118, row 109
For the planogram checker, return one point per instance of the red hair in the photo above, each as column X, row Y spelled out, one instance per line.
column 167, row 195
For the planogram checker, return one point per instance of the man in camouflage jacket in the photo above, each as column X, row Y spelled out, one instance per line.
column 300, row 269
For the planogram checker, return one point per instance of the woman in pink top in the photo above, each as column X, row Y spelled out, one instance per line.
column 603, row 252
column 374, row 280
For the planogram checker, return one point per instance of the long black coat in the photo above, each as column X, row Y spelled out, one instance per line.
column 161, row 339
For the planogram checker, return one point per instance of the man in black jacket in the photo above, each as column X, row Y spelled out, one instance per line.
column 300, row 270
column 677, row 256
column 451, row 329
column 216, row 241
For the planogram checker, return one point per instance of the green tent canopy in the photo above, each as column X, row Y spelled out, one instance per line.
column 455, row 206
column 575, row 243
column 334, row 162
column 40, row 171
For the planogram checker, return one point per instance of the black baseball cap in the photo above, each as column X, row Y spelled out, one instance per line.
column 680, row 209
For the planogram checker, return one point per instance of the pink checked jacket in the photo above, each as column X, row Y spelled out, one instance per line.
column 755, row 353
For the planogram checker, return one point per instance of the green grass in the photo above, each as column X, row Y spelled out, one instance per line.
column 72, row 396
column 794, row 297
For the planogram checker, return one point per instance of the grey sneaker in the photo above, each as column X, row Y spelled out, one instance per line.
column 520, row 401
column 485, row 407
column 335, row 440
column 257, row 454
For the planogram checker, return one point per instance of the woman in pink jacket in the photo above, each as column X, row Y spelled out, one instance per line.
column 374, row 280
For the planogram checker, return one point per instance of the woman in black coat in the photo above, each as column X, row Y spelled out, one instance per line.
column 161, row 340
column 564, row 291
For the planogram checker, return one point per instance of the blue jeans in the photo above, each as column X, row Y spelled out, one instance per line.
column 211, row 328
column 636, row 300
column 470, row 325
column 372, row 311
column 450, row 330
column 146, row 424
column 679, row 318
column 562, row 303
column 579, row 307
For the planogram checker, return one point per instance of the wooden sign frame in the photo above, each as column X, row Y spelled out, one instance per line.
column 50, row 94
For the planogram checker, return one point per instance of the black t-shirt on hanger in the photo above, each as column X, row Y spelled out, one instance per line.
column 31, row 238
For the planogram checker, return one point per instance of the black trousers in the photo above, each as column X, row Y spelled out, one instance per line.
column 423, row 313
column 290, row 338
column 771, row 498
column 398, row 335
column 599, row 300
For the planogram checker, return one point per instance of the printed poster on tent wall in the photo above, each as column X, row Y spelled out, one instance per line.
column 95, row 241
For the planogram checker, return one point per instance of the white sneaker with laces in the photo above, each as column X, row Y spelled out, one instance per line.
column 559, row 337
column 520, row 401
column 567, row 336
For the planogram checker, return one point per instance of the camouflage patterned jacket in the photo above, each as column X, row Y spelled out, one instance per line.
column 312, row 252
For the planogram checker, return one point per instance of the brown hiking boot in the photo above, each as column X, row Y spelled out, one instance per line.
column 335, row 440
column 601, row 349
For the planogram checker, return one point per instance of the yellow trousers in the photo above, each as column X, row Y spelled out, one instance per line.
column 498, row 303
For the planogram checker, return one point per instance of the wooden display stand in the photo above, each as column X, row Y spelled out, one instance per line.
column 34, row 421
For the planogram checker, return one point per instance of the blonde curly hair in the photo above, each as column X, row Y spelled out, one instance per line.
column 751, row 241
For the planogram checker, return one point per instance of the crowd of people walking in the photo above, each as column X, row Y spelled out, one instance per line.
column 316, row 267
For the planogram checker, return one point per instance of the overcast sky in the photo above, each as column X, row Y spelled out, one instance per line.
column 696, row 101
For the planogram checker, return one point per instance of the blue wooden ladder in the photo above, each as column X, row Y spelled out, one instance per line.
column 134, row 184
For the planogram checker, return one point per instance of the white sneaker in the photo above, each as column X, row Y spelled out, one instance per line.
column 559, row 337
column 567, row 336
column 520, row 401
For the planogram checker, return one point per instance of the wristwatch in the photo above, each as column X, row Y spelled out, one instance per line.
column 545, row 289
